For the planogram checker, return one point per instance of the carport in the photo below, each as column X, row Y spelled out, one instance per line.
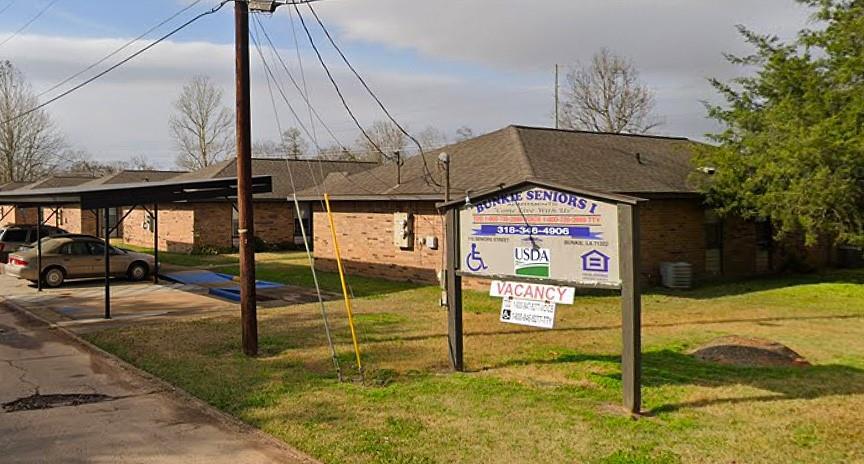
column 131, row 196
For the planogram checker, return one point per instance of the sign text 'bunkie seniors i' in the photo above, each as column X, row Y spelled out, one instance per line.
column 542, row 233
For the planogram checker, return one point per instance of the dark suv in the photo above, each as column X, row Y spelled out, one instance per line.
column 16, row 235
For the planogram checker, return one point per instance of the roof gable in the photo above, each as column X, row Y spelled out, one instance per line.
column 612, row 163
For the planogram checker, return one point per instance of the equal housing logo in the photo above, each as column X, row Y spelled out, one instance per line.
column 531, row 262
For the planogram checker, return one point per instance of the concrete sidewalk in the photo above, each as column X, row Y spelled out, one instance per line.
column 64, row 403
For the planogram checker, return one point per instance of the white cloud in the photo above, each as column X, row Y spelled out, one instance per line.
column 659, row 34
column 676, row 44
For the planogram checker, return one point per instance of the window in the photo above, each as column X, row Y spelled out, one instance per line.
column 306, row 218
column 235, row 223
column 96, row 248
column 764, row 235
column 76, row 249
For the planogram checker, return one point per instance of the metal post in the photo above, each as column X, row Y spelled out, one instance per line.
column 107, row 265
column 248, row 309
column 556, row 97
column 39, row 247
column 631, row 307
column 454, row 292
column 155, row 243
column 446, row 160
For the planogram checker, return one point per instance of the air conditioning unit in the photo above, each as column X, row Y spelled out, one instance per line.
column 676, row 275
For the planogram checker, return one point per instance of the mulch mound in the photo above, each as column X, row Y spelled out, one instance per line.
column 749, row 352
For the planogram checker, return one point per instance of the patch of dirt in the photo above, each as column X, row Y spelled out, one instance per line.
column 37, row 401
column 750, row 352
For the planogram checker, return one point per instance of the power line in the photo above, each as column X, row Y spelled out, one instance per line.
column 300, row 219
column 269, row 76
column 117, row 65
column 336, row 86
column 303, row 94
column 120, row 49
column 370, row 91
column 28, row 23
column 8, row 5
column 300, row 65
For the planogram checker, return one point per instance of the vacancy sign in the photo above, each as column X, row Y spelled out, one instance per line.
column 530, row 304
column 534, row 292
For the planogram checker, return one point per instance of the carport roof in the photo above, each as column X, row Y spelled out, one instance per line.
column 132, row 194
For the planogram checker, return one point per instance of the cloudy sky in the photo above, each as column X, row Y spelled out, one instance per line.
column 444, row 63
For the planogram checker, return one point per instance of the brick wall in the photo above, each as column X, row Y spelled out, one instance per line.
column 175, row 228
column 76, row 221
column 19, row 216
column 182, row 227
column 274, row 222
column 365, row 232
column 212, row 227
column 740, row 248
column 671, row 230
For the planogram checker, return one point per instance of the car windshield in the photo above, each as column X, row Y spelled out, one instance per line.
column 14, row 235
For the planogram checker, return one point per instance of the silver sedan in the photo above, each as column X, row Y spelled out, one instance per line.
column 77, row 257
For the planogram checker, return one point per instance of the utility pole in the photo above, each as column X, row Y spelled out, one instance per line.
column 556, row 96
column 248, row 305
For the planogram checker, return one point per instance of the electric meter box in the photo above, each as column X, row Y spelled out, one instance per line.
column 403, row 230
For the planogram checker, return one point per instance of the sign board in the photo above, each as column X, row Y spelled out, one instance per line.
column 527, row 312
column 531, row 291
column 541, row 233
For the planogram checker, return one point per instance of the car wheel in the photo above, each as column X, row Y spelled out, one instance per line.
column 54, row 277
column 138, row 272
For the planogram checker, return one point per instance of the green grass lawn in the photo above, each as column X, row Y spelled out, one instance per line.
column 532, row 395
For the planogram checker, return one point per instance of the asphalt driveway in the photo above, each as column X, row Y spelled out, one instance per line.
column 64, row 403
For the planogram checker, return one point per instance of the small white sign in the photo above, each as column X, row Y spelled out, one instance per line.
column 526, row 312
column 534, row 292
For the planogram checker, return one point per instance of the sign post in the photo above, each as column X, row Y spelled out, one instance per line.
column 631, row 308
column 537, row 241
column 454, row 293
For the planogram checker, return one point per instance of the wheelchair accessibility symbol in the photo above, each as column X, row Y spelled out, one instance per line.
column 474, row 261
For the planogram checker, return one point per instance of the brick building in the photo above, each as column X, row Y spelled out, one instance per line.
column 16, row 215
column 10, row 214
column 72, row 218
column 213, row 225
column 675, row 223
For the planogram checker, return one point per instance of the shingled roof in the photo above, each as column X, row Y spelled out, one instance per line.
column 10, row 186
column 305, row 173
column 59, row 181
column 612, row 163
column 130, row 176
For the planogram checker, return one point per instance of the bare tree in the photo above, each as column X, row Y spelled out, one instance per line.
column 201, row 125
column 337, row 153
column 607, row 97
column 385, row 136
column 29, row 145
column 81, row 162
column 140, row 163
column 431, row 138
column 267, row 149
column 293, row 144
column 464, row 133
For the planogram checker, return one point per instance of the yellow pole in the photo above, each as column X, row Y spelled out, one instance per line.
column 344, row 285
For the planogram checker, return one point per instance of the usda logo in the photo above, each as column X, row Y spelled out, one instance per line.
column 531, row 262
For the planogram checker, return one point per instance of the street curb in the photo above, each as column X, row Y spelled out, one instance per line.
column 164, row 386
